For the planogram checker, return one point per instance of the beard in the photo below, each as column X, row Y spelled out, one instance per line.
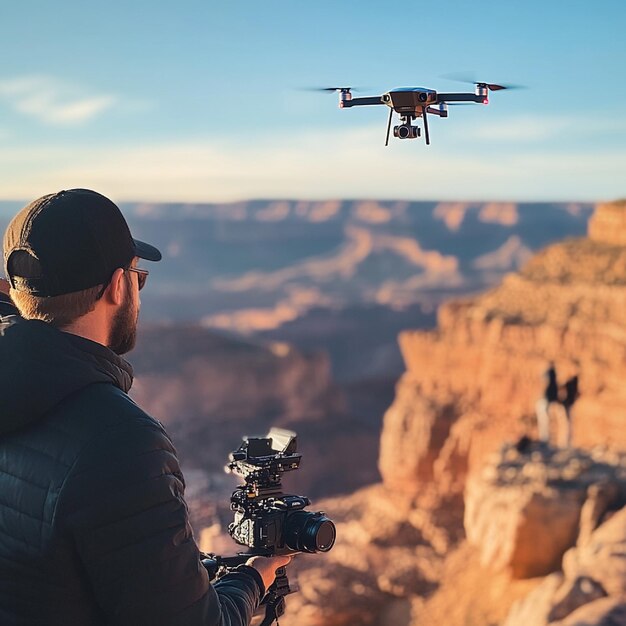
column 124, row 329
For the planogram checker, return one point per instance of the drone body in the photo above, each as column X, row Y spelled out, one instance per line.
column 411, row 103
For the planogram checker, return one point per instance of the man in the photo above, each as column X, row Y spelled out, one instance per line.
column 94, row 527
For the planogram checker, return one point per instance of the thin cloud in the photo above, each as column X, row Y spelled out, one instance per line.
column 525, row 128
column 535, row 128
column 53, row 101
column 312, row 165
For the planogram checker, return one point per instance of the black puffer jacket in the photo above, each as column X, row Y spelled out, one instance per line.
column 93, row 524
column 6, row 306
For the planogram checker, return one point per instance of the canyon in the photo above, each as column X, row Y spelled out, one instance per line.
column 405, row 343
column 442, row 316
column 475, row 522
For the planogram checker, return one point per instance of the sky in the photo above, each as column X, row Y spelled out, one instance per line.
column 203, row 101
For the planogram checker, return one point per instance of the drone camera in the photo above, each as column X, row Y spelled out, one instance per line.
column 422, row 97
column 406, row 131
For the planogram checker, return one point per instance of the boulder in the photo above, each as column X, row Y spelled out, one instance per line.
column 591, row 589
column 523, row 509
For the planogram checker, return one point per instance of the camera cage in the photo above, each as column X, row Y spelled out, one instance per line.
column 265, row 459
column 261, row 461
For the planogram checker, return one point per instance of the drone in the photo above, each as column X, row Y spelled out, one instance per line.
column 411, row 103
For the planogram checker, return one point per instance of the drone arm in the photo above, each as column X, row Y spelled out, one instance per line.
column 358, row 102
column 459, row 97
column 438, row 112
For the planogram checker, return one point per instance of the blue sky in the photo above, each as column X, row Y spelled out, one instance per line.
column 200, row 101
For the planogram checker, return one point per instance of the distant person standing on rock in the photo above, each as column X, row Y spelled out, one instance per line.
column 550, row 396
column 569, row 397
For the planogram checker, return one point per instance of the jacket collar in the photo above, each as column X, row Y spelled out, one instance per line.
column 40, row 366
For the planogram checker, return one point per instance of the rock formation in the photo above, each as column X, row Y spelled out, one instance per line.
column 590, row 589
column 400, row 560
column 530, row 510
column 526, row 509
column 608, row 223
column 474, row 382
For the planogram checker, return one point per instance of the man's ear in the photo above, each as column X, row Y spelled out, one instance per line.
column 116, row 291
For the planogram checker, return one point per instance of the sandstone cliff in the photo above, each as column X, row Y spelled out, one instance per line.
column 463, row 529
column 474, row 381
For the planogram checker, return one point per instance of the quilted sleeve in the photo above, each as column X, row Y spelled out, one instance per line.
column 6, row 306
column 123, row 507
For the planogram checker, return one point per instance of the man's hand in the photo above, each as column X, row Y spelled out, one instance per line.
column 267, row 566
column 4, row 286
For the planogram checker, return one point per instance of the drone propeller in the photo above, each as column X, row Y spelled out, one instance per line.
column 470, row 78
column 494, row 87
column 331, row 89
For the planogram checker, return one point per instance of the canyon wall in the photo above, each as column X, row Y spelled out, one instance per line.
column 474, row 382
column 211, row 389
column 476, row 522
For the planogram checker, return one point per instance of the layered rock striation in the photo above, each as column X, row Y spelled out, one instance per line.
column 474, row 382
column 608, row 223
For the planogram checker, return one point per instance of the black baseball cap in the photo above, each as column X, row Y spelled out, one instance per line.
column 69, row 241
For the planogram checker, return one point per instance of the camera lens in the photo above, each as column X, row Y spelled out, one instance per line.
column 309, row 532
column 404, row 132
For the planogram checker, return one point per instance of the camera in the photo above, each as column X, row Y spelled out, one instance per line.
column 268, row 521
column 406, row 131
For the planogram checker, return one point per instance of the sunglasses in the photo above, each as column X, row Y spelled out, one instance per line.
column 142, row 276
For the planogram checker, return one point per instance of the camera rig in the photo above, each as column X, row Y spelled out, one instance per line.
column 266, row 520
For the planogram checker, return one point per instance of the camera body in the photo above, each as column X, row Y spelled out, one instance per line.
column 268, row 521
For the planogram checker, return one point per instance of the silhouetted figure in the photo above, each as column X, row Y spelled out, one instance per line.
column 570, row 395
column 550, row 395
column 523, row 444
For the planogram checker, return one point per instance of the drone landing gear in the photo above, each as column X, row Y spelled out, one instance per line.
column 388, row 126
column 425, row 116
